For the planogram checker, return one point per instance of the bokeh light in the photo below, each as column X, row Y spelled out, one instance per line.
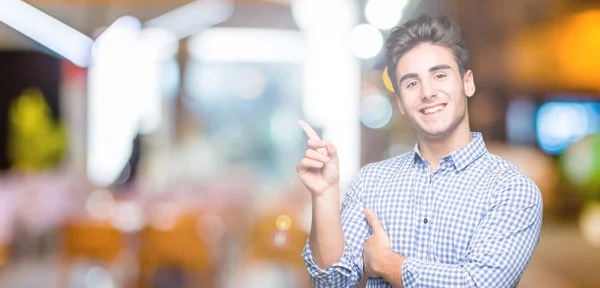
column 589, row 223
column 384, row 14
column 561, row 123
column 127, row 217
column 100, row 204
column 283, row 222
column 581, row 163
column 375, row 111
column 365, row 41
column 98, row 277
column 280, row 239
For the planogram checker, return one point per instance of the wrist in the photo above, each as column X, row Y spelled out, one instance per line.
column 330, row 194
column 391, row 266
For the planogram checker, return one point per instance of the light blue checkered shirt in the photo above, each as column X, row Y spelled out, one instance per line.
column 472, row 223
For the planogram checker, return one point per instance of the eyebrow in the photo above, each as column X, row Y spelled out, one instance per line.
column 439, row 67
column 432, row 69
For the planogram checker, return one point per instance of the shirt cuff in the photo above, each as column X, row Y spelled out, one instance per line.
column 410, row 271
column 345, row 266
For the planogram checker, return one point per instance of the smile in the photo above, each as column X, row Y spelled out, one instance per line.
column 433, row 110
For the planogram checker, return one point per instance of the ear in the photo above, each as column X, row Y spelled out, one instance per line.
column 400, row 105
column 468, row 83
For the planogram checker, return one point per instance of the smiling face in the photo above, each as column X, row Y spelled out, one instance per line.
column 433, row 93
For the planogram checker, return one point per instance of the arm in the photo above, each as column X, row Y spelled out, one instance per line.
column 326, row 239
column 332, row 254
column 499, row 251
column 347, row 269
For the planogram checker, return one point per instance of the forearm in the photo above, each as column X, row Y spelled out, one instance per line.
column 399, row 271
column 391, row 268
column 326, row 239
column 422, row 273
column 333, row 253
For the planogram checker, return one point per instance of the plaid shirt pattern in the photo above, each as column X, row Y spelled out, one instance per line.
column 472, row 223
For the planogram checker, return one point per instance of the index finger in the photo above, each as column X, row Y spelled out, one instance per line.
column 308, row 130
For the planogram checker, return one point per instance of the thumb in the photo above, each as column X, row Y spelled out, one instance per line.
column 331, row 151
column 374, row 221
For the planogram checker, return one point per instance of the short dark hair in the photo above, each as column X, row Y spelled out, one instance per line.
column 441, row 30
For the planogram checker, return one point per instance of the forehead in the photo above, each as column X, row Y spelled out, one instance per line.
column 422, row 57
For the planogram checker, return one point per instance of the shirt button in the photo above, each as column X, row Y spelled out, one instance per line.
column 425, row 221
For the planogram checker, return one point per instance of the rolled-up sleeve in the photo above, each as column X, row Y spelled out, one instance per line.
column 348, row 271
column 500, row 249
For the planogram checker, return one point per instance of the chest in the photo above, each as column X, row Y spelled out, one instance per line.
column 432, row 216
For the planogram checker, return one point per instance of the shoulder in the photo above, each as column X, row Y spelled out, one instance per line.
column 510, row 182
column 387, row 167
column 375, row 171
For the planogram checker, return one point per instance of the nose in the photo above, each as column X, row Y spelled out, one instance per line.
column 427, row 91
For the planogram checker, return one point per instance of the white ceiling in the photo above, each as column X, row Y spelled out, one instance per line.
column 85, row 18
column 89, row 18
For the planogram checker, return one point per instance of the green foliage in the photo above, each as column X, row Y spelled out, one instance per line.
column 35, row 140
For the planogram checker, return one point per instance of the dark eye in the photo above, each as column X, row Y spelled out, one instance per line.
column 440, row 76
column 411, row 84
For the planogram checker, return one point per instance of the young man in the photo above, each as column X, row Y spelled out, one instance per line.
column 446, row 214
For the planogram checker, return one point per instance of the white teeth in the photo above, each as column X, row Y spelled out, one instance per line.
column 433, row 109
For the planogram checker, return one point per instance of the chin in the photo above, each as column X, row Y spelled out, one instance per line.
column 434, row 133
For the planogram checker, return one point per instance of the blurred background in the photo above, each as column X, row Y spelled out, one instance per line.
column 153, row 143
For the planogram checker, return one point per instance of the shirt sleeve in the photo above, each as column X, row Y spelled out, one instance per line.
column 500, row 249
column 348, row 271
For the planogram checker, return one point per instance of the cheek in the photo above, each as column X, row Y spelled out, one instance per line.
column 453, row 91
column 410, row 99
column 449, row 87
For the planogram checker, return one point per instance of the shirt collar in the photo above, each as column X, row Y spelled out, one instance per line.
column 462, row 157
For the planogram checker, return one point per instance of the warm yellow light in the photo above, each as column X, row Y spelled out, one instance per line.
column 561, row 55
column 283, row 222
column 386, row 80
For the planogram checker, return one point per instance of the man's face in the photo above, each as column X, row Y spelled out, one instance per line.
column 432, row 91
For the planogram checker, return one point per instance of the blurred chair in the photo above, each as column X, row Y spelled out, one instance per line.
column 177, row 248
column 276, row 241
column 3, row 256
column 97, row 241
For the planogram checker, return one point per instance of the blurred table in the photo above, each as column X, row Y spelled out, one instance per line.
column 562, row 259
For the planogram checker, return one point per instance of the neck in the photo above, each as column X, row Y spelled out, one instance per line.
column 433, row 149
